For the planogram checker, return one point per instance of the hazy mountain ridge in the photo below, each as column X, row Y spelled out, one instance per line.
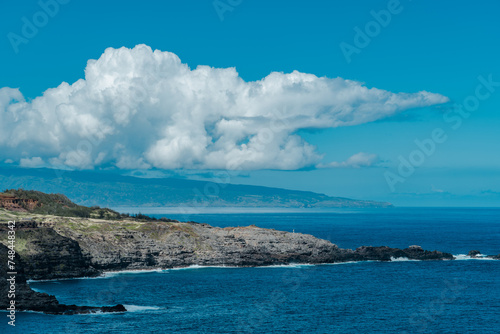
column 111, row 190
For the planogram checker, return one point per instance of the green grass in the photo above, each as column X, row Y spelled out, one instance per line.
column 131, row 226
column 21, row 245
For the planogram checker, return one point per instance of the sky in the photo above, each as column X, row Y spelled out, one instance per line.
column 386, row 100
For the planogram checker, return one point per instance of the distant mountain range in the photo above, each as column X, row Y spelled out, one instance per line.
column 112, row 190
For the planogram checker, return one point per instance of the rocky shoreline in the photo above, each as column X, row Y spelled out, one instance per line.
column 28, row 300
column 52, row 247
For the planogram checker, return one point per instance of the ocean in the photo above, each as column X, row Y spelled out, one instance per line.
column 461, row 296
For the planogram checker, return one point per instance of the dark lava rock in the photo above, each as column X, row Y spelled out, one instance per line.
column 474, row 253
column 385, row 253
column 73, row 309
column 495, row 257
column 28, row 300
column 49, row 255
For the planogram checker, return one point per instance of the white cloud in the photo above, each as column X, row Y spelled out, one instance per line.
column 358, row 160
column 31, row 162
column 138, row 108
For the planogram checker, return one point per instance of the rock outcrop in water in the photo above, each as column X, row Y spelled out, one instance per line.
column 385, row 253
column 475, row 254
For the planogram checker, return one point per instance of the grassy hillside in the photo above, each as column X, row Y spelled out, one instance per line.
column 59, row 205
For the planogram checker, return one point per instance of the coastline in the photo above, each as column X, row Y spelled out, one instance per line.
column 112, row 273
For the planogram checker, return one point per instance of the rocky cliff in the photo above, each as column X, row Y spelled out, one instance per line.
column 47, row 254
column 58, row 247
column 27, row 299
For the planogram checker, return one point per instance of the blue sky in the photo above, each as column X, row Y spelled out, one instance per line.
column 442, row 47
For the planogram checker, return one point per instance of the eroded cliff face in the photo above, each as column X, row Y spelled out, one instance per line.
column 23, row 293
column 26, row 299
column 47, row 254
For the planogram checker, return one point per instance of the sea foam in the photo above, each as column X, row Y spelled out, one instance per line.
column 402, row 259
column 139, row 308
column 109, row 274
column 463, row 257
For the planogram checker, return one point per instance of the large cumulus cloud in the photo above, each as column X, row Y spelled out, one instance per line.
column 138, row 108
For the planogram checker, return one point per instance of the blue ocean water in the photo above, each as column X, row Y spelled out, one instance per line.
column 460, row 296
